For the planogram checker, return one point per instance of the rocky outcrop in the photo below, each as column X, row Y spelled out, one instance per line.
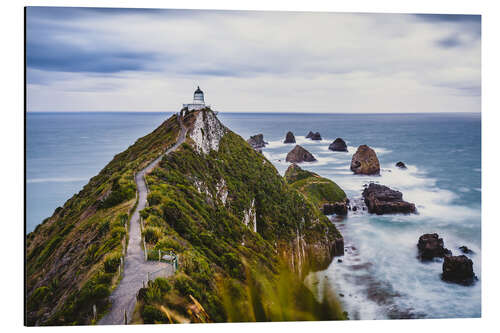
column 306, row 256
column 381, row 200
column 290, row 138
column 458, row 269
column 465, row 249
column 299, row 154
column 257, row 141
column 338, row 208
column 207, row 131
column 315, row 136
column 338, row 145
column 430, row 246
column 365, row 161
column 401, row 165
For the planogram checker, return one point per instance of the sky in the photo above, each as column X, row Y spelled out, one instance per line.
column 98, row 59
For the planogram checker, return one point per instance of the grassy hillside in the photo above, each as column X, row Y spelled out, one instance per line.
column 72, row 257
column 316, row 189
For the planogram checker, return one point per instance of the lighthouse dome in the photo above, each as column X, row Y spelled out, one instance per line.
column 198, row 97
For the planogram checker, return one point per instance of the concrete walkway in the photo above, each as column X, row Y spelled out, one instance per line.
column 136, row 268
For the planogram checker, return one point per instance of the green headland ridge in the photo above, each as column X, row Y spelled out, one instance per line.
column 245, row 237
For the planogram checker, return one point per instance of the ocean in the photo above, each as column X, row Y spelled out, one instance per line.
column 379, row 277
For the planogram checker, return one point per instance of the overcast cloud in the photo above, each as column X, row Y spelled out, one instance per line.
column 152, row 60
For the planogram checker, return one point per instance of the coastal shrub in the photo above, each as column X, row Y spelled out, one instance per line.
column 154, row 221
column 118, row 232
column 121, row 190
column 152, row 315
column 233, row 264
column 49, row 249
column 39, row 296
column 104, row 278
column 112, row 262
column 163, row 284
column 152, row 234
column 91, row 254
column 103, row 227
column 167, row 243
column 184, row 285
column 122, row 218
column 193, row 262
column 153, row 293
column 155, row 198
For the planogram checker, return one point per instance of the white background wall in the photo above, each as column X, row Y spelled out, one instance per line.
column 12, row 150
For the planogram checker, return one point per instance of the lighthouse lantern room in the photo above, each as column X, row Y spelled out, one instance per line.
column 198, row 101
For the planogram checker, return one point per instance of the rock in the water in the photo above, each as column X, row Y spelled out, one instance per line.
column 465, row 249
column 338, row 145
column 309, row 135
column 381, row 199
column 338, row 208
column 431, row 246
column 338, row 247
column 298, row 155
column 365, row 161
column 458, row 269
column 401, row 165
column 316, row 136
column 257, row 141
column 290, row 138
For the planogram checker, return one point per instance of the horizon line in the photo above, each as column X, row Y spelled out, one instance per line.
column 284, row 112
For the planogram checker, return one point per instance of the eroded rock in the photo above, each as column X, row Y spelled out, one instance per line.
column 290, row 138
column 381, row 200
column 338, row 145
column 257, row 141
column 458, row 269
column 299, row 154
column 316, row 136
column 365, row 161
column 430, row 246
column 401, row 165
column 338, row 208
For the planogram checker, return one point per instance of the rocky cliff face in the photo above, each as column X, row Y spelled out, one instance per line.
column 206, row 131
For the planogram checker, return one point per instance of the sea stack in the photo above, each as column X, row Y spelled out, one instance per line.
column 338, row 145
column 290, row 138
column 381, row 200
column 257, row 141
column 365, row 161
column 401, row 165
column 458, row 269
column 299, row 155
column 316, row 136
column 430, row 246
column 309, row 135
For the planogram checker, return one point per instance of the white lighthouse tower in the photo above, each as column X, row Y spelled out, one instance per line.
column 198, row 101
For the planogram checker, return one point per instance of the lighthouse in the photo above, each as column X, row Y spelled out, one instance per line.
column 198, row 101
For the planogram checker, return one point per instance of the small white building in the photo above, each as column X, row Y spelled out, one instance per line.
column 198, row 101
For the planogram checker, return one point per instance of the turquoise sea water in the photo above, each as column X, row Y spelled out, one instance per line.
column 379, row 277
